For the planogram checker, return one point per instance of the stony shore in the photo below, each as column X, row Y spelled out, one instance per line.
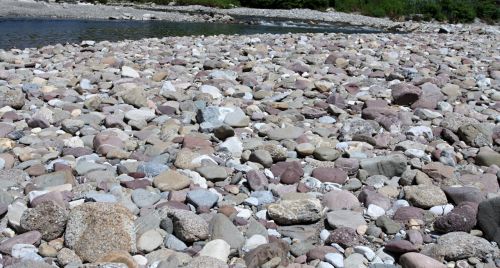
column 299, row 151
column 37, row 9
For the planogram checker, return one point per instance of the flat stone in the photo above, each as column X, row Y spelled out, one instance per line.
column 288, row 212
column 290, row 133
column 417, row 260
column 389, row 166
column 425, row 196
column 171, row 180
column 345, row 218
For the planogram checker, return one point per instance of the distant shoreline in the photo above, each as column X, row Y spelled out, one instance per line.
column 33, row 9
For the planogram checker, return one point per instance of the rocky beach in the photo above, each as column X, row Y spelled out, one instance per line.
column 292, row 150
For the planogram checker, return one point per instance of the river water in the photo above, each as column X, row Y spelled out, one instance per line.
column 29, row 32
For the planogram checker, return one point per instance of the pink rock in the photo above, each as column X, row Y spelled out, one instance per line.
column 31, row 238
column 417, row 260
column 195, row 143
column 400, row 246
column 326, row 174
column 337, row 200
column 405, row 94
column 103, row 143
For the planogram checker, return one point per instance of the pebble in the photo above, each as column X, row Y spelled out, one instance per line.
column 294, row 150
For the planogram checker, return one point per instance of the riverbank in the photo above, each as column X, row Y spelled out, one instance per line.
column 300, row 150
column 13, row 8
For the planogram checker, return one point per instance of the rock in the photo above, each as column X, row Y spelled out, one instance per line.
column 149, row 241
column 174, row 243
column 48, row 218
column 344, row 236
column 405, row 94
column 460, row 245
column 288, row 172
column 104, row 143
column 129, row 72
column 171, row 180
column 254, row 241
column 325, row 174
column 262, row 254
column 487, row 157
column 202, row 198
column 389, row 166
column 95, row 229
column 222, row 228
column 11, row 97
column 206, row 261
column 461, row 218
column 211, row 90
column 238, row 118
column 213, row 173
column 119, row 257
column 290, row 133
column 400, row 246
column 345, row 218
column 257, row 180
column 262, row 157
column 417, row 260
column 336, row 259
column 67, row 256
column 288, row 212
column 189, row 227
column 217, row 248
column 388, row 226
column 30, row 238
column 425, row 196
column 144, row 198
column 488, row 218
column 326, row 154
column 339, row 200
column 476, row 135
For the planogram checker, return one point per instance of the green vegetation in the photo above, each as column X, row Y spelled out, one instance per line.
column 453, row 11
column 443, row 10
column 210, row 3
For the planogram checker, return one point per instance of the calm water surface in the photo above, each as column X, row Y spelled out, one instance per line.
column 28, row 32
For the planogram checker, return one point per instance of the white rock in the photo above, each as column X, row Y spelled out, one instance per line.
column 324, row 234
column 325, row 265
column 211, row 90
column 335, row 259
column 217, row 248
column 244, row 213
column 233, row 145
column 129, row 72
column 149, row 241
column 141, row 260
column 254, row 241
column 2, row 163
column 261, row 214
column 74, row 142
column 25, row 252
column 441, row 210
column 375, row 211
column 167, row 86
column 421, row 131
column 365, row 251
column 140, row 114
column 14, row 213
